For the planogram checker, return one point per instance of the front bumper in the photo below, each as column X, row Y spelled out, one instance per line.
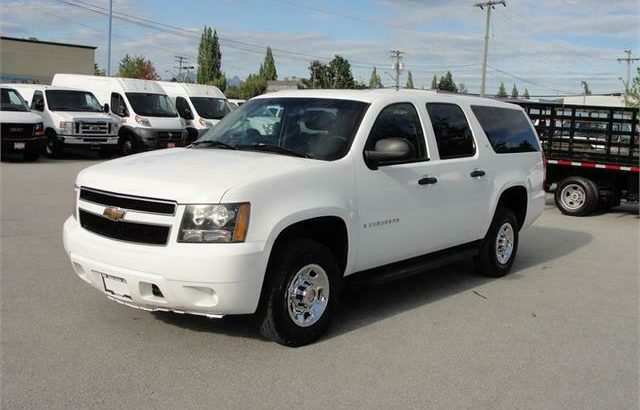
column 15, row 144
column 154, row 139
column 91, row 142
column 204, row 279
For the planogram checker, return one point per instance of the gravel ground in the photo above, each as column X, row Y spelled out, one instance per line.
column 560, row 332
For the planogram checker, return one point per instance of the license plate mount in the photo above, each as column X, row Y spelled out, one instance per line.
column 171, row 145
column 116, row 286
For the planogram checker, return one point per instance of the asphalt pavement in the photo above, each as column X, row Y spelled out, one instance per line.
column 560, row 332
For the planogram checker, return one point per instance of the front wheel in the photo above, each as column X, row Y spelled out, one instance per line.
column 499, row 247
column 300, row 293
column 127, row 144
column 53, row 149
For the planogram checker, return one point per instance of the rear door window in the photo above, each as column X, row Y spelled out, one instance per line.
column 452, row 131
column 508, row 130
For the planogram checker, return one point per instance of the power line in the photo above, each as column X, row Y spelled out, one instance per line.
column 628, row 60
column 529, row 81
column 490, row 5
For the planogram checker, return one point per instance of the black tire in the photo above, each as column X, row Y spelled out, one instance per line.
column 31, row 154
column 576, row 196
column 53, row 147
column 288, row 259
column 488, row 261
column 127, row 144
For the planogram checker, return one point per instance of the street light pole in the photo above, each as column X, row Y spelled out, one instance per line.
column 109, row 47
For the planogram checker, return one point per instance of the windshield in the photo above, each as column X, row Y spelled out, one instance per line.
column 151, row 105
column 308, row 127
column 210, row 108
column 12, row 101
column 68, row 100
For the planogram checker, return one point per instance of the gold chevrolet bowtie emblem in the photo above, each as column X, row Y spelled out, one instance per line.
column 114, row 213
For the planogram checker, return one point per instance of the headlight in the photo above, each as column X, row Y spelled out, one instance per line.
column 66, row 127
column 142, row 121
column 215, row 223
column 38, row 130
column 204, row 122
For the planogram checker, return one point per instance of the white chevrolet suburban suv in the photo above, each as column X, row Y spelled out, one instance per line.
column 365, row 185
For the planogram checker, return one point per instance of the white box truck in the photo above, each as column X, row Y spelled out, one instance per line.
column 71, row 118
column 201, row 106
column 149, row 118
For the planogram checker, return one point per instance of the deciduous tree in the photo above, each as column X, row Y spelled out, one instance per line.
column 137, row 67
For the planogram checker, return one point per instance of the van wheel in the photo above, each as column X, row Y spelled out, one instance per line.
column 500, row 245
column 53, row 149
column 127, row 144
column 576, row 196
column 300, row 293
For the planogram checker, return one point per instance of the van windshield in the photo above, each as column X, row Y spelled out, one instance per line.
column 151, row 105
column 210, row 108
column 318, row 128
column 69, row 100
column 12, row 101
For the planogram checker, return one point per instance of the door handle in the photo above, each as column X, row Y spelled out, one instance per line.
column 427, row 180
column 477, row 173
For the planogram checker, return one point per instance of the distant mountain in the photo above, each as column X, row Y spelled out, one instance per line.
column 234, row 81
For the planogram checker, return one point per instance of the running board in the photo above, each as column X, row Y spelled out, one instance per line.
column 414, row 266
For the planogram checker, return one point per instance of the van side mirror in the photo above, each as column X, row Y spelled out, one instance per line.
column 39, row 105
column 187, row 114
column 388, row 151
column 106, row 108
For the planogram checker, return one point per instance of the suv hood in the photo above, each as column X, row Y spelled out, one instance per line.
column 187, row 175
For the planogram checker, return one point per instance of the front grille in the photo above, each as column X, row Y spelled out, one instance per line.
column 94, row 128
column 124, row 231
column 169, row 135
column 14, row 130
column 156, row 206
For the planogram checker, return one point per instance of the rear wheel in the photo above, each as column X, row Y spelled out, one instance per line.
column 500, row 245
column 300, row 293
column 576, row 196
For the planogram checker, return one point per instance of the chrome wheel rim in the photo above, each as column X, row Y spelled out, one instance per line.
column 504, row 243
column 573, row 196
column 308, row 295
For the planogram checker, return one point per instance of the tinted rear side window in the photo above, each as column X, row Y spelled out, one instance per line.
column 450, row 126
column 508, row 130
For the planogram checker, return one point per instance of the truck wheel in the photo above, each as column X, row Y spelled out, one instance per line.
column 127, row 144
column 53, row 149
column 576, row 196
column 499, row 247
column 300, row 293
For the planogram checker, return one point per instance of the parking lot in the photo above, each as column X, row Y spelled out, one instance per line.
column 561, row 331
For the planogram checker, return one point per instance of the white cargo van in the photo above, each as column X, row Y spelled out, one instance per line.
column 21, row 131
column 72, row 118
column 202, row 106
column 149, row 118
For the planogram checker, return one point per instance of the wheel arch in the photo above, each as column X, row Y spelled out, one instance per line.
column 514, row 197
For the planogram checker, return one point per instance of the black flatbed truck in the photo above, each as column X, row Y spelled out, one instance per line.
column 591, row 154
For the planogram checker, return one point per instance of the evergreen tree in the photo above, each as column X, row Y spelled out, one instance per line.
column 340, row 73
column 502, row 92
column 632, row 98
column 409, row 80
column 255, row 84
column 374, row 80
column 268, row 68
column 514, row 92
column 526, row 94
column 209, row 57
column 434, row 83
column 137, row 67
column 446, row 83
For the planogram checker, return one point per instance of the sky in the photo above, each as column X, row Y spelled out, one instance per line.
column 546, row 46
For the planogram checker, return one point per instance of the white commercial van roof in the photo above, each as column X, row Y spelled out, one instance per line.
column 191, row 90
column 124, row 85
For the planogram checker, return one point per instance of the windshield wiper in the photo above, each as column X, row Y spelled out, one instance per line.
column 213, row 143
column 272, row 148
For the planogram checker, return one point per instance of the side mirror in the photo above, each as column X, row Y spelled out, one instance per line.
column 39, row 105
column 188, row 115
column 388, row 151
column 106, row 108
column 122, row 111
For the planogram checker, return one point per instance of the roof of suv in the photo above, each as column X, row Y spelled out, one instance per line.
column 386, row 95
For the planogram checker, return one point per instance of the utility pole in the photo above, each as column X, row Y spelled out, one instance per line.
column 489, row 6
column 180, row 60
column 396, row 54
column 628, row 59
column 109, row 47
column 585, row 87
